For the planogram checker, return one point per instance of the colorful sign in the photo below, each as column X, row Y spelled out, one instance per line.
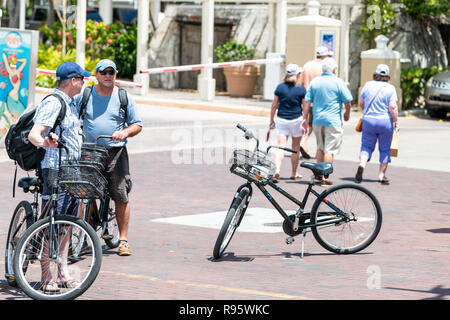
column 328, row 39
column 18, row 59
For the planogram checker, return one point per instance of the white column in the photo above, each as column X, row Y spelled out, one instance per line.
column 155, row 9
column 271, row 9
column 106, row 11
column 281, row 26
column 1, row 15
column 142, row 41
column 81, row 31
column 23, row 5
column 273, row 76
column 206, row 83
column 345, row 43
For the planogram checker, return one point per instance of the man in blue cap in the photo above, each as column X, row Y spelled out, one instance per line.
column 105, row 114
column 70, row 78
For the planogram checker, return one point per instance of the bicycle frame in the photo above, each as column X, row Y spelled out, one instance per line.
column 301, row 204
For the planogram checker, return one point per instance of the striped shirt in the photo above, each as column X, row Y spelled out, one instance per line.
column 46, row 114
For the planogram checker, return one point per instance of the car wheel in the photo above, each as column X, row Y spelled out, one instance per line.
column 437, row 113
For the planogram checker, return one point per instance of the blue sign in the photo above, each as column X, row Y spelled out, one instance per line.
column 18, row 58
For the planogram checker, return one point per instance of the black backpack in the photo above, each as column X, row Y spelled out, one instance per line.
column 19, row 148
column 123, row 98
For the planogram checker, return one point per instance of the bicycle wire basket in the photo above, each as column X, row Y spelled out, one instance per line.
column 253, row 165
column 81, row 179
column 93, row 154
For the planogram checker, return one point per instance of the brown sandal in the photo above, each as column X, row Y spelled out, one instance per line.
column 276, row 178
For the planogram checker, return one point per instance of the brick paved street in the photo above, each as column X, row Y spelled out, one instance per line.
column 172, row 261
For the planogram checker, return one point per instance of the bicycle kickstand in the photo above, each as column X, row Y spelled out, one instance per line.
column 303, row 242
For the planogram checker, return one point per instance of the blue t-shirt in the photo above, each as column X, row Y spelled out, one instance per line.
column 290, row 100
column 107, row 117
column 328, row 93
column 385, row 92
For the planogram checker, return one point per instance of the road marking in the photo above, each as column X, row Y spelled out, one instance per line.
column 208, row 286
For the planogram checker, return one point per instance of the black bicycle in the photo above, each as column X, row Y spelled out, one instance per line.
column 344, row 219
column 99, row 213
column 48, row 239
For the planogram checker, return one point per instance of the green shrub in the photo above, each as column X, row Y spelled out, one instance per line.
column 413, row 81
column 113, row 41
column 233, row 51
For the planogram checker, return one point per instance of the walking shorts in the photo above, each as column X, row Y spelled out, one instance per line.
column 329, row 139
column 117, row 173
column 289, row 127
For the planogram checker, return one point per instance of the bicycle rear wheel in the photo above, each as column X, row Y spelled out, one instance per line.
column 33, row 249
column 22, row 217
column 232, row 221
column 354, row 232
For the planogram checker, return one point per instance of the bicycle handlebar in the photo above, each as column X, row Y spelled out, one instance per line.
column 249, row 134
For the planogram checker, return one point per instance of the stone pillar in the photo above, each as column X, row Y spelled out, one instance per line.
column 273, row 76
column 306, row 33
column 106, row 11
column 142, row 41
column 81, row 32
column 206, row 83
column 370, row 59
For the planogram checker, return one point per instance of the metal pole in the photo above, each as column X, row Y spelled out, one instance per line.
column 81, row 34
column 23, row 5
column 206, row 83
column 142, row 40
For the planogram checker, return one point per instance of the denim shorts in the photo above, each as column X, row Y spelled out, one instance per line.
column 66, row 204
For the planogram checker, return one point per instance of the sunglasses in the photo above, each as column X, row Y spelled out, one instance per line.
column 79, row 77
column 105, row 72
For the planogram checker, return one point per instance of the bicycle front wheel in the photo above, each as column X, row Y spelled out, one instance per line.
column 351, row 217
column 232, row 221
column 21, row 219
column 51, row 275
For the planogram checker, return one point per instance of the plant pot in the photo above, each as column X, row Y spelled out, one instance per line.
column 241, row 81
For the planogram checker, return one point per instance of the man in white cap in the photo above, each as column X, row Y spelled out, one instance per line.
column 105, row 114
column 312, row 69
column 327, row 93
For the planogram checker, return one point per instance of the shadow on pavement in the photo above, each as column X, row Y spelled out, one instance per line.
column 439, row 291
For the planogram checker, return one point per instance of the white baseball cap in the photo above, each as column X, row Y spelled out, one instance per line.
column 292, row 69
column 321, row 51
column 382, row 70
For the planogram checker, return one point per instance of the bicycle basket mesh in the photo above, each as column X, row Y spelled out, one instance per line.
column 93, row 154
column 256, row 165
column 81, row 180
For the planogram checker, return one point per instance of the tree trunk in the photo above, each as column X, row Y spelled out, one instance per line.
column 14, row 13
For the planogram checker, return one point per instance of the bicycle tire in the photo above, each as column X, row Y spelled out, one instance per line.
column 112, row 226
column 364, row 212
column 31, row 247
column 21, row 212
column 231, row 222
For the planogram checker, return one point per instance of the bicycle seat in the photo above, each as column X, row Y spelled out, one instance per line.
column 28, row 182
column 319, row 169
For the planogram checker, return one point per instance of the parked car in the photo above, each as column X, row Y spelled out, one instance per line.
column 437, row 95
column 40, row 14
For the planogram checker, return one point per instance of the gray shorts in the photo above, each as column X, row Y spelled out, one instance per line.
column 117, row 173
column 329, row 139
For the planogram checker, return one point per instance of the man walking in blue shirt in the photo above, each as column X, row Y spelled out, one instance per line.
column 104, row 116
column 327, row 93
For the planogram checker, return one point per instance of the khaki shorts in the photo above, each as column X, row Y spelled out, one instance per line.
column 329, row 139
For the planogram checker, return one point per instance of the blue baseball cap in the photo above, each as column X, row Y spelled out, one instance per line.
column 105, row 63
column 67, row 70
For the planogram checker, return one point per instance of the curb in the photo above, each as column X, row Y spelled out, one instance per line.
column 193, row 105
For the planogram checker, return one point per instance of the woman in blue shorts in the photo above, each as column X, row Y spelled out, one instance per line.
column 378, row 100
column 289, row 121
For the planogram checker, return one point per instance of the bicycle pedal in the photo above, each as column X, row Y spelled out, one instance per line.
column 289, row 240
column 107, row 237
